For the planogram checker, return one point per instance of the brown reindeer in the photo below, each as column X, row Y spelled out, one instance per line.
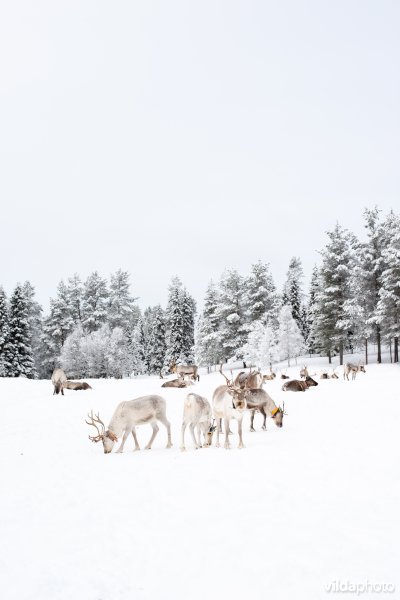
column 77, row 385
column 175, row 383
column 283, row 376
column 295, row 385
column 324, row 375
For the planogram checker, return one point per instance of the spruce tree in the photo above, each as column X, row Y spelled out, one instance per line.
column 4, row 335
column 174, row 324
column 208, row 338
column 121, row 301
column 74, row 294
column 293, row 293
column 157, row 344
column 231, row 315
column 95, row 302
column 19, row 342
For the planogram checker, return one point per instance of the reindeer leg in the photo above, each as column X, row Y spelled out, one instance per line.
column 199, row 434
column 218, row 432
column 183, row 447
column 227, row 444
column 241, row 445
column 252, row 420
column 137, row 447
column 155, row 431
column 262, row 411
column 191, row 427
column 163, row 419
column 121, row 448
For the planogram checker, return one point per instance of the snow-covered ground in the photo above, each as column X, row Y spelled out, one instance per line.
column 300, row 507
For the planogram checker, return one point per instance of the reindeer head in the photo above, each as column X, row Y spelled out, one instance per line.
column 310, row 381
column 362, row 369
column 238, row 394
column 277, row 415
column 210, row 433
column 107, row 437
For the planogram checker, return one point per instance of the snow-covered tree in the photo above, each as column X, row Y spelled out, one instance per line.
column 208, row 338
column 157, row 344
column 260, row 296
column 290, row 339
column 311, row 308
column 95, row 302
column 72, row 358
column 34, row 311
column 75, row 296
column 19, row 349
column 121, row 302
column 330, row 328
column 4, row 335
column 179, row 324
column 230, row 313
column 293, row 292
column 118, row 360
column 94, row 346
column 261, row 348
column 388, row 307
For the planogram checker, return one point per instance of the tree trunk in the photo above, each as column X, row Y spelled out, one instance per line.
column 396, row 349
column 366, row 351
column 341, row 353
column 378, row 341
column 390, row 349
column 329, row 357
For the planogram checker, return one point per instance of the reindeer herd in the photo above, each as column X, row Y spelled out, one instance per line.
column 231, row 400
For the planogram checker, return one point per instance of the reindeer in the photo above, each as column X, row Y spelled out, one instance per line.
column 77, row 385
column 127, row 415
column 259, row 400
column 229, row 402
column 284, row 376
column 334, row 375
column 197, row 413
column 324, row 375
column 304, row 372
column 182, row 370
column 58, row 379
column 251, row 380
column 353, row 369
column 295, row 385
column 269, row 377
column 175, row 383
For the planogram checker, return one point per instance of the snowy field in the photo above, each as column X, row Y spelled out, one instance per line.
column 300, row 507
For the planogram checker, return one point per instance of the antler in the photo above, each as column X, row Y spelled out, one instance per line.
column 93, row 420
column 283, row 408
column 228, row 381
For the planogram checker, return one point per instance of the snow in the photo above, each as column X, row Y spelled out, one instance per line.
column 302, row 506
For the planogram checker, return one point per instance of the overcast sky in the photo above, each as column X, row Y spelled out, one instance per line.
column 170, row 137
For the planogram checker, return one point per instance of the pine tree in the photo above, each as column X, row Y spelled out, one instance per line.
column 157, row 344
column 95, row 302
column 72, row 358
column 260, row 296
column 290, row 338
column 311, row 308
column 4, row 335
column 293, row 293
column 19, row 342
column 74, row 295
column 330, row 329
column 388, row 307
column 121, row 301
column 231, row 316
column 208, row 338
column 35, row 323
column 261, row 347
column 188, row 317
column 174, row 324
column 117, row 356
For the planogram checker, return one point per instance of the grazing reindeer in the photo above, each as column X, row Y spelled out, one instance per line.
column 304, row 372
column 197, row 413
column 334, row 375
column 259, row 400
column 176, row 383
column 229, row 402
column 353, row 369
column 182, row 370
column 250, row 381
column 58, row 379
column 295, row 385
column 324, row 375
column 127, row 415
column 77, row 385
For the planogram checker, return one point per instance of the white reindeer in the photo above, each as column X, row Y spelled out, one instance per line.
column 353, row 369
column 197, row 413
column 58, row 379
column 229, row 402
column 127, row 415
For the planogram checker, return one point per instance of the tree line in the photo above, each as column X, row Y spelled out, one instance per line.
column 96, row 329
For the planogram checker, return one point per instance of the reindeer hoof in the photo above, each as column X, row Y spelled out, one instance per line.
column 227, row 447
column 252, row 429
column 183, row 449
column 148, row 448
column 264, row 428
column 241, row 446
column 136, row 449
column 169, row 446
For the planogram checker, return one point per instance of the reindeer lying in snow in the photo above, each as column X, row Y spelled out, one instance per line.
column 251, row 381
column 127, row 415
column 259, row 400
column 197, row 413
column 77, row 385
column 295, row 385
column 176, row 383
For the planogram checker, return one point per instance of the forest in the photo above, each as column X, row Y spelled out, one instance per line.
column 95, row 328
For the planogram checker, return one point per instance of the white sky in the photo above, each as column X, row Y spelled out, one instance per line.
column 183, row 137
